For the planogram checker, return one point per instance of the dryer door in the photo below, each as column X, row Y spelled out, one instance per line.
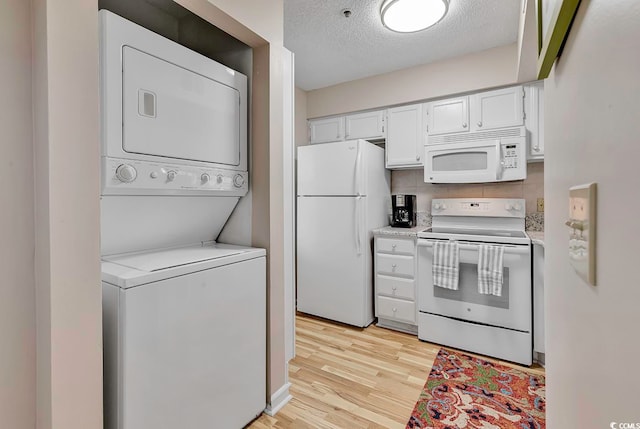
column 172, row 112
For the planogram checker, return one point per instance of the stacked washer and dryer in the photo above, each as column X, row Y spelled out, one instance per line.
column 184, row 316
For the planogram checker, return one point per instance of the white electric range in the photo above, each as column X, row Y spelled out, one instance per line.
column 498, row 326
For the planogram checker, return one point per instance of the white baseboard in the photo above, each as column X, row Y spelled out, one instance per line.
column 278, row 400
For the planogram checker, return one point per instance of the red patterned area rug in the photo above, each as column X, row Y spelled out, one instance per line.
column 463, row 391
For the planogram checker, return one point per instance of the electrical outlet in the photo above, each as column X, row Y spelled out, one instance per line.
column 541, row 205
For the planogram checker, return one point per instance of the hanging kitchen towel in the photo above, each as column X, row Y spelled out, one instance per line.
column 490, row 268
column 445, row 264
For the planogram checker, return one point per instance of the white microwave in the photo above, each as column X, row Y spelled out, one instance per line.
column 493, row 156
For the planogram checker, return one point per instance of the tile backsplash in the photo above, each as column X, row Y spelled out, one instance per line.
column 532, row 188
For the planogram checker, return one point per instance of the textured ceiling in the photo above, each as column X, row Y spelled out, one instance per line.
column 331, row 49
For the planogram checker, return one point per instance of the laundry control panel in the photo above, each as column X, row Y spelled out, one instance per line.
column 131, row 177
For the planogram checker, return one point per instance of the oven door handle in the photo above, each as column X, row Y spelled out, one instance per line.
column 508, row 248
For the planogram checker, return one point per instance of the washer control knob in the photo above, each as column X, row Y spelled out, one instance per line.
column 238, row 181
column 219, row 178
column 126, row 173
column 205, row 178
column 508, row 206
column 171, row 175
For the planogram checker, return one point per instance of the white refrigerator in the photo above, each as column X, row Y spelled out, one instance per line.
column 343, row 194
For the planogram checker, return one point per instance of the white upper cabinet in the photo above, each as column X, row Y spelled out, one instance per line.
column 501, row 108
column 367, row 125
column 534, row 119
column 404, row 145
column 326, row 130
column 448, row 116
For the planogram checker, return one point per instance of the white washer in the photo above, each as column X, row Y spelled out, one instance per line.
column 185, row 337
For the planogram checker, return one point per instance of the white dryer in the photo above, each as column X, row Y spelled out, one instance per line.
column 184, row 337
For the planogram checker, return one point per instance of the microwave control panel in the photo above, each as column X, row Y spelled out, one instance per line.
column 511, row 156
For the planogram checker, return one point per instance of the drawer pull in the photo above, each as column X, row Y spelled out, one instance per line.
column 395, row 309
column 393, row 247
column 393, row 267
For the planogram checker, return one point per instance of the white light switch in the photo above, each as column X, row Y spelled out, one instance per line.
column 582, row 227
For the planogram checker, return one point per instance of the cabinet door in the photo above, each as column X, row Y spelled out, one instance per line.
column 497, row 109
column 404, row 136
column 534, row 119
column 448, row 116
column 368, row 125
column 326, row 130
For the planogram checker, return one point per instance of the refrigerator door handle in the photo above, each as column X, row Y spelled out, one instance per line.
column 358, row 225
column 358, row 169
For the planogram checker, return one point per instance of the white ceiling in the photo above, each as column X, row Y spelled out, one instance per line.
column 331, row 49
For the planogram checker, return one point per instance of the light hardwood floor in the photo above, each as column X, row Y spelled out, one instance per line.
column 350, row 378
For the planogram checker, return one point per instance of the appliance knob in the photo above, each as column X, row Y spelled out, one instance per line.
column 171, row 175
column 417, row 157
column 508, row 206
column 238, row 181
column 126, row 173
column 205, row 178
column 443, row 206
column 436, row 206
column 517, row 207
column 479, row 124
column 219, row 178
column 395, row 309
column 464, row 125
column 154, row 175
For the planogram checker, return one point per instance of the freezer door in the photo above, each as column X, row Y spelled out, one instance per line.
column 333, row 252
column 331, row 168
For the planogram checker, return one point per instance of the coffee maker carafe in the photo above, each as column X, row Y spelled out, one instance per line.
column 403, row 210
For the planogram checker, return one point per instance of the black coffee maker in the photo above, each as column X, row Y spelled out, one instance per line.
column 403, row 210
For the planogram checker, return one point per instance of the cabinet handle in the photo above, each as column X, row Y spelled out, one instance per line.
column 417, row 157
column 536, row 148
column 479, row 124
column 464, row 125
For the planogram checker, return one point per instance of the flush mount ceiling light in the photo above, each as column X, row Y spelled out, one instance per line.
column 409, row 16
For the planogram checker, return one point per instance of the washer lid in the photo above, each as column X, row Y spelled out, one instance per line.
column 134, row 269
column 170, row 258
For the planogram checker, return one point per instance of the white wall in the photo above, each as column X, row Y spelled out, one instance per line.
column 490, row 68
column 17, row 287
column 591, row 134
column 301, row 137
column 67, row 215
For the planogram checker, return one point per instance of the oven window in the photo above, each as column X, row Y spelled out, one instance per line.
column 461, row 161
column 468, row 289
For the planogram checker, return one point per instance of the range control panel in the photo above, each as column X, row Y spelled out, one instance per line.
column 129, row 177
column 486, row 207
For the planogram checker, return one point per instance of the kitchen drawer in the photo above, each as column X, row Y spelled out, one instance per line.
column 395, row 287
column 395, row 265
column 395, row 245
column 397, row 309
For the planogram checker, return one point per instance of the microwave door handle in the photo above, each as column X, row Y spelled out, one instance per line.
column 499, row 160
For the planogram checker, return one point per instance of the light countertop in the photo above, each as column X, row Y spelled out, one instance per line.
column 402, row 232
column 537, row 237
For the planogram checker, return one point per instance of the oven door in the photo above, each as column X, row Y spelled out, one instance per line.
column 476, row 162
column 511, row 310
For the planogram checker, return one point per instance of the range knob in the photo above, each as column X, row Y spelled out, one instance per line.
column 126, row 173
column 219, row 178
column 517, row 207
column 508, row 206
column 238, row 181
column 205, row 178
column 171, row 175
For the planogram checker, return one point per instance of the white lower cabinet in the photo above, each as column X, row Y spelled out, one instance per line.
column 538, row 301
column 395, row 283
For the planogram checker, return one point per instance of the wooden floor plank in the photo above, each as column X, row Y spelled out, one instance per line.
column 353, row 378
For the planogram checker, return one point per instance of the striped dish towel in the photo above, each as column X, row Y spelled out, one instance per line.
column 446, row 258
column 490, row 268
